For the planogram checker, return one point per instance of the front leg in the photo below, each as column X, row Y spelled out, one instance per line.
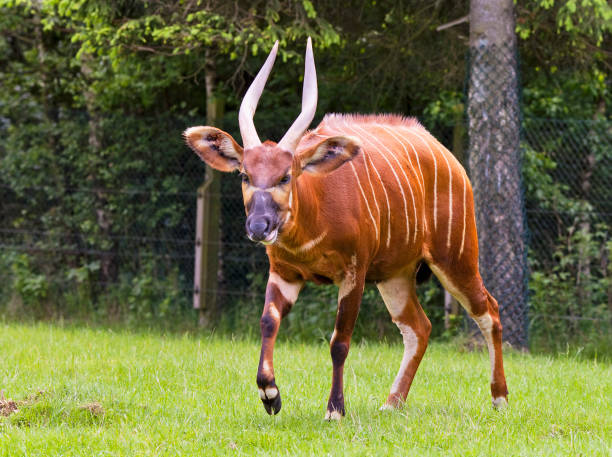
column 349, row 301
column 280, row 296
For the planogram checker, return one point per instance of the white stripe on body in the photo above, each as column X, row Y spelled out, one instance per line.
column 307, row 246
column 382, row 184
column 422, row 182
column 464, row 215
column 416, row 224
column 399, row 184
column 450, row 195
column 399, row 140
column 444, row 151
column 365, row 164
column 363, row 194
column 450, row 188
column 383, row 188
column 433, row 156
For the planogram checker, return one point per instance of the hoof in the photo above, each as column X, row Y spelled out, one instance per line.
column 270, row 397
column 394, row 401
column 333, row 415
column 500, row 403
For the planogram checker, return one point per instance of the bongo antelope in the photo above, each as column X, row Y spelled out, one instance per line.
column 359, row 198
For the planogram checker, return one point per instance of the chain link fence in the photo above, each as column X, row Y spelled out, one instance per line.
column 568, row 177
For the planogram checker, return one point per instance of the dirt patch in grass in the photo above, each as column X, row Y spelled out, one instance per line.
column 9, row 406
column 43, row 409
column 95, row 408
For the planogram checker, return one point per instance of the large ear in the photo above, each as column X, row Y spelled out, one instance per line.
column 215, row 147
column 329, row 154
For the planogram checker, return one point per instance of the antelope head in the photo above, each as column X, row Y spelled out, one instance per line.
column 270, row 170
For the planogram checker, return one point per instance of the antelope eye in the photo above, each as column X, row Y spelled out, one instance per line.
column 244, row 177
column 285, row 179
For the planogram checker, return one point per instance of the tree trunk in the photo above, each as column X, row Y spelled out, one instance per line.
column 495, row 162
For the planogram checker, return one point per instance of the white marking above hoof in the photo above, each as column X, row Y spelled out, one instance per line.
column 387, row 407
column 271, row 392
column 500, row 403
column 333, row 415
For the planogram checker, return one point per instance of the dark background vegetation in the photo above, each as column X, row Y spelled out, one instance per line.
column 97, row 190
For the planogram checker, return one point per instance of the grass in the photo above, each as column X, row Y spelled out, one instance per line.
column 91, row 392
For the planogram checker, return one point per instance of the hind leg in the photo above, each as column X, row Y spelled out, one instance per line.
column 399, row 295
column 466, row 286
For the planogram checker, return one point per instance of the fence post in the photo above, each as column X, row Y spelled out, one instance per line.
column 206, row 246
column 208, row 214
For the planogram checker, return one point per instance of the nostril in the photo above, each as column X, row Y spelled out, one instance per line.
column 258, row 227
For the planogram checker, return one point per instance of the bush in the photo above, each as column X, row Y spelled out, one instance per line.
column 570, row 301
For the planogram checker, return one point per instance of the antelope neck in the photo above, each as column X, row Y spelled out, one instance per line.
column 303, row 224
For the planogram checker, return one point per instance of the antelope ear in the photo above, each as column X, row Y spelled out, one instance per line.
column 329, row 154
column 215, row 147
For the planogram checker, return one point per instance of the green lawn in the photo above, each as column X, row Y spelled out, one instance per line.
column 99, row 392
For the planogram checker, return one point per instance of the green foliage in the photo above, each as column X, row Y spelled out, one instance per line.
column 570, row 280
column 447, row 108
column 575, row 94
column 571, row 298
column 146, row 298
column 540, row 184
column 314, row 313
column 577, row 18
column 565, row 62
column 77, row 216
column 96, row 93
column 33, row 288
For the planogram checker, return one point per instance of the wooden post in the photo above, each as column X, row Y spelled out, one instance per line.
column 198, row 276
column 207, row 242
column 207, row 246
